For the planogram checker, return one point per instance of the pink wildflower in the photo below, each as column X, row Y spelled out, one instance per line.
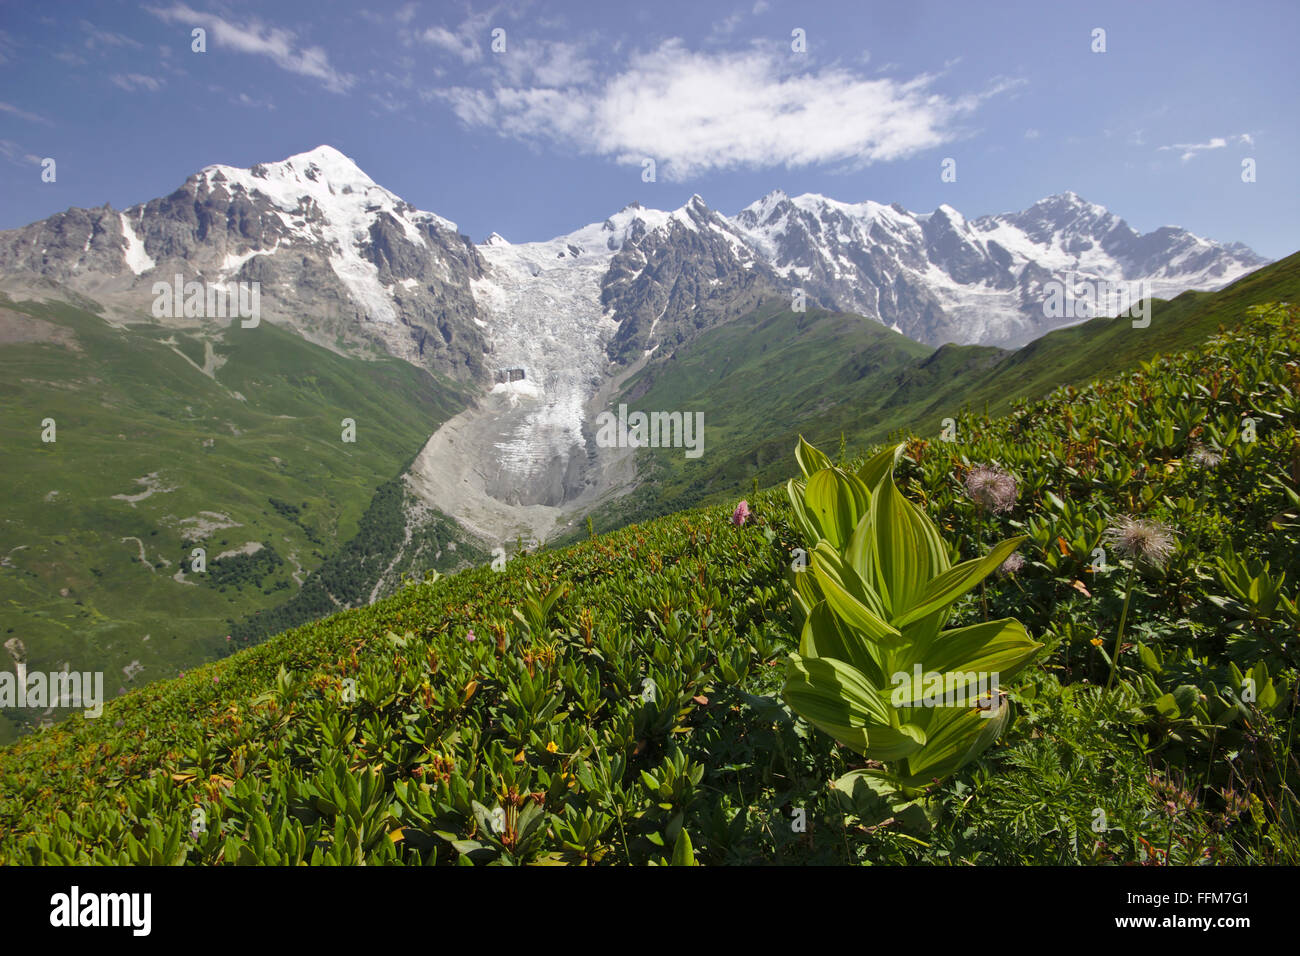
column 741, row 514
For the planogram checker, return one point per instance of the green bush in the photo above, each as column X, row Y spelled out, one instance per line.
column 881, row 589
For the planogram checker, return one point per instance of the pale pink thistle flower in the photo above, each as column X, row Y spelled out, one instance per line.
column 991, row 488
column 1142, row 540
column 1204, row 457
column 1012, row 564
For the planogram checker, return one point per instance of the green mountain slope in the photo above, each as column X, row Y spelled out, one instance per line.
column 474, row 720
column 769, row 369
column 165, row 441
column 765, row 378
column 1102, row 347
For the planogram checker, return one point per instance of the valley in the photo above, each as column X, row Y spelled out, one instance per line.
column 477, row 377
column 153, row 458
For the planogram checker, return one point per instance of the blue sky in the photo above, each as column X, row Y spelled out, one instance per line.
column 551, row 133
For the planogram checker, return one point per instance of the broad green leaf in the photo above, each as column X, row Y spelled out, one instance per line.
column 929, row 690
column 993, row 647
column 1166, row 706
column 833, row 695
column 809, row 458
column 683, row 852
column 824, row 637
column 796, row 489
column 836, row 501
column 956, row 581
column 906, row 549
column 873, row 797
column 955, row 737
column 893, row 743
column 919, row 635
column 805, row 590
column 850, row 609
column 879, row 465
column 858, row 551
column 833, row 563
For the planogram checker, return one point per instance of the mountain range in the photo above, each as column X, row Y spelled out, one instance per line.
column 340, row 257
column 543, row 331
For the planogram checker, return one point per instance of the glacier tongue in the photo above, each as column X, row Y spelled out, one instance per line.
column 522, row 459
column 544, row 316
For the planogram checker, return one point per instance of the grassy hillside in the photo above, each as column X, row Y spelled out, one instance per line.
column 766, row 371
column 592, row 704
column 228, row 440
column 772, row 375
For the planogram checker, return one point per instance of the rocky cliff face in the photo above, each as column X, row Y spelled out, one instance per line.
column 339, row 258
column 937, row 277
column 674, row 275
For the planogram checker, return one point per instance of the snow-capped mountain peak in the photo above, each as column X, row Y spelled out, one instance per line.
column 337, row 185
column 323, row 162
column 938, row 276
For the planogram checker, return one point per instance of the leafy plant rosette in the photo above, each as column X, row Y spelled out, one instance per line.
column 875, row 667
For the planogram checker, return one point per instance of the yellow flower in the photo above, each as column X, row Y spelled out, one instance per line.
column 1096, row 642
column 551, row 747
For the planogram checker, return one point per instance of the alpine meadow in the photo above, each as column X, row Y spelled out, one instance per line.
column 952, row 522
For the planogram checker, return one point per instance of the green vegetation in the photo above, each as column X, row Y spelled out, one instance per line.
column 874, row 599
column 154, row 458
column 767, row 378
column 619, row 701
column 386, row 548
column 239, row 570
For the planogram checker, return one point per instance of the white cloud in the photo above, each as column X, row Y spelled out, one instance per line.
column 724, row 28
column 467, row 41
column 17, row 154
column 545, row 63
column 695, row 112
column 136, row 81
column 1190, row 150
column 466, row 48
column 728, row 25
column 280, row 45
column 99, row 37
column 23, row 114
column 255, row 102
